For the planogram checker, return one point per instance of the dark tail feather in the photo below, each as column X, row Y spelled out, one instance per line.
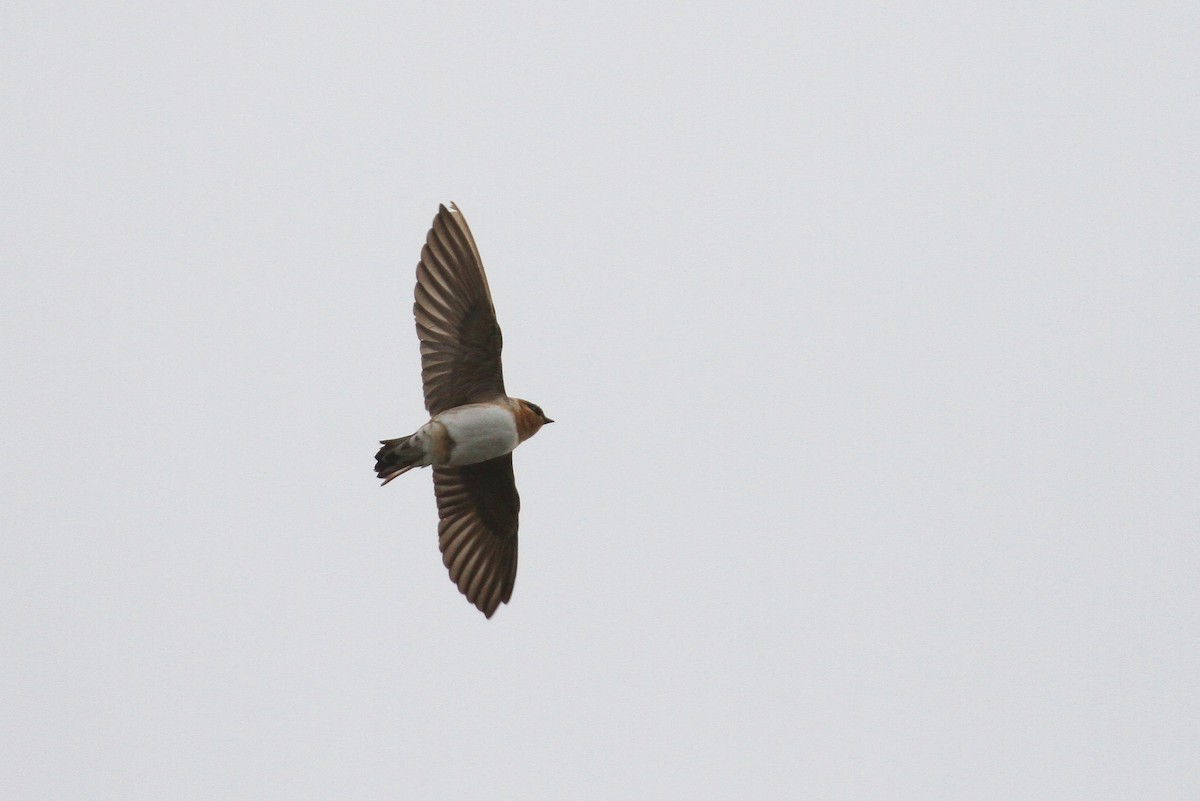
column 396, row 458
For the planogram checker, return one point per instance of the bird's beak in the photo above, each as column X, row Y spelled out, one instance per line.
column 546, row 420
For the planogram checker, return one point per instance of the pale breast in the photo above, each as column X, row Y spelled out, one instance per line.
column 478, row 432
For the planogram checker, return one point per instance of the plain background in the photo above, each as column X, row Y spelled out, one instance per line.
column 873, row 335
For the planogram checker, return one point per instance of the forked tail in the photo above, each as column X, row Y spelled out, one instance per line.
column 397, row 457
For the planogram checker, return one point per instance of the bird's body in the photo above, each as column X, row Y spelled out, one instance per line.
column 474, row 425
column 462, row 435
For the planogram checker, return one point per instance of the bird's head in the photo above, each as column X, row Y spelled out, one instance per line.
column 530, row 419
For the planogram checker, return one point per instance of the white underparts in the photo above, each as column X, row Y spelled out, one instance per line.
column 467, row 434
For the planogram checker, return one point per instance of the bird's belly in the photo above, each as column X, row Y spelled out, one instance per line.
column 478, row 432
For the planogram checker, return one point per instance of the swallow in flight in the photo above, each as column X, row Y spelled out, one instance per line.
column 474, row 425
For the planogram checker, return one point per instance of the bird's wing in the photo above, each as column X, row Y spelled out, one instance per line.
column 460, row 339
column 477, row 532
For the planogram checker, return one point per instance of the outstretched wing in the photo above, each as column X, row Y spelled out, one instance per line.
column 477, row 532
column 460, row 339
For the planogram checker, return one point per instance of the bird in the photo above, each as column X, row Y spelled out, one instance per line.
column 473, row 426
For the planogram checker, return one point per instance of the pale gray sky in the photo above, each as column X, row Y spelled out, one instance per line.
column 873, row 335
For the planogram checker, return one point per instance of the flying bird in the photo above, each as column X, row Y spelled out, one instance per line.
column 474, row 425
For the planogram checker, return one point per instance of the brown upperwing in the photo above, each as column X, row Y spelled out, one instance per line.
column 477, row 532
column 456, row 322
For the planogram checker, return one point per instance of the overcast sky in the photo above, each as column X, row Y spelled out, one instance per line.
column 872, row 335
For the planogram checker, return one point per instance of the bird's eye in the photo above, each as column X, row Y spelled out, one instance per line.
column 537, row 410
